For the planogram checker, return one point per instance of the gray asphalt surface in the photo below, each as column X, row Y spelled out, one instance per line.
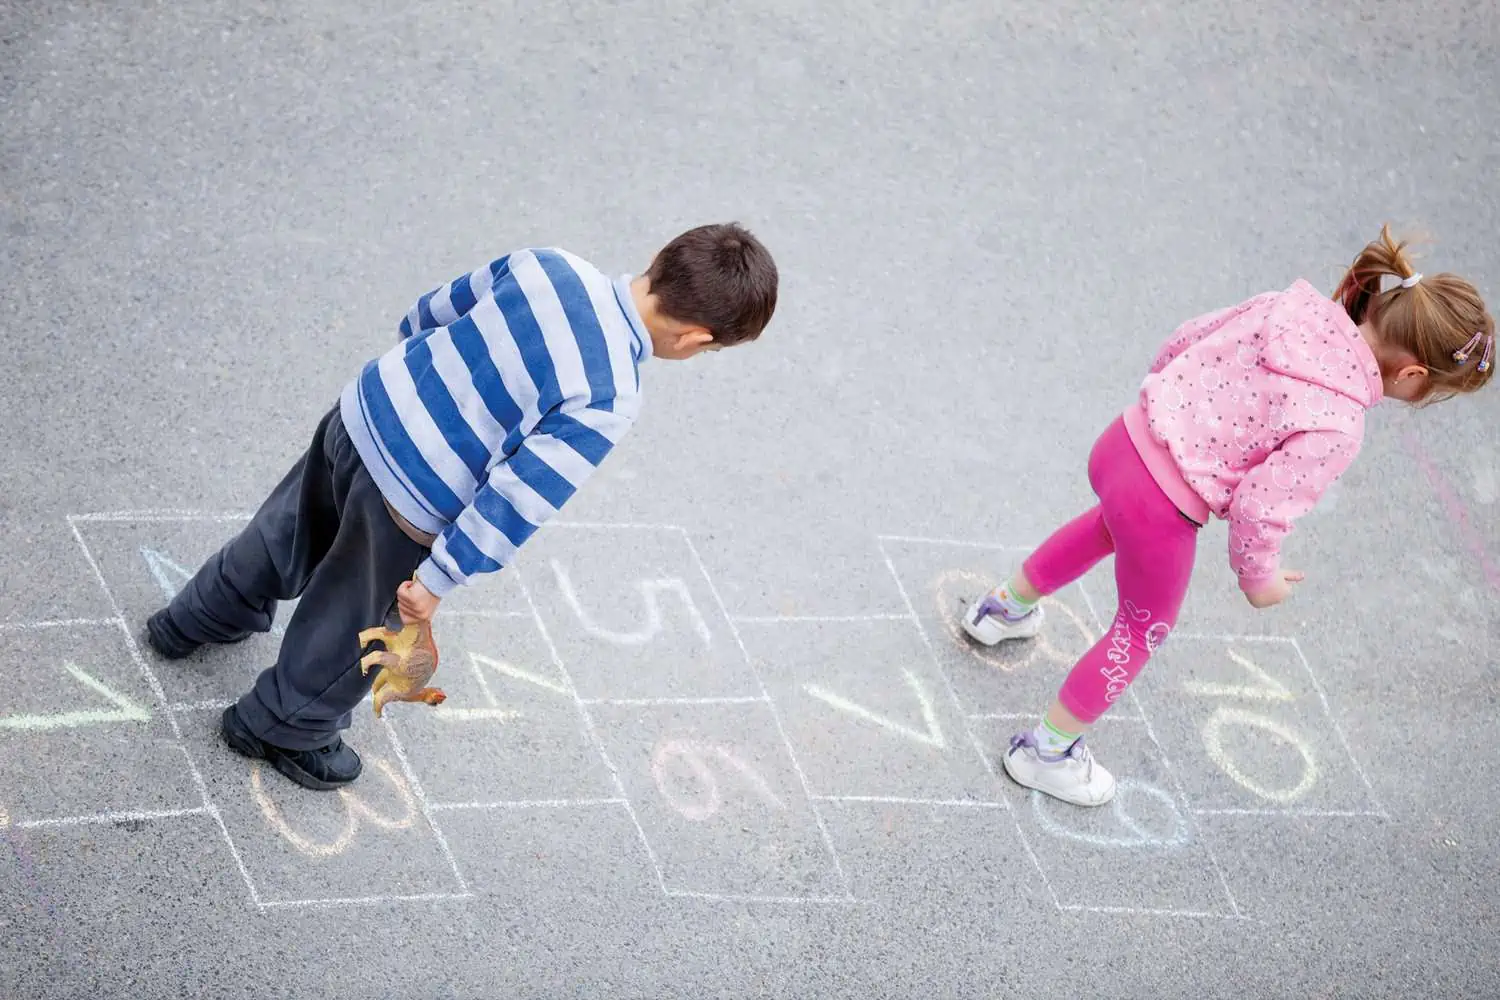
column 715, row 736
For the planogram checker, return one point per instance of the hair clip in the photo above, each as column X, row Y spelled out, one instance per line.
column 1462, row 354
column 1411, row 282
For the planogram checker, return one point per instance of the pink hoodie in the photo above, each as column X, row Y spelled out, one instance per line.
column 1251, row 412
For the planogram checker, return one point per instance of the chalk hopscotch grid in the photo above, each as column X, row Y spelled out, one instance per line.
column 984, row 758
column 791, row 751
column 1187, row 801
column 1141, row 717
column 209, row 808
column 159, row 693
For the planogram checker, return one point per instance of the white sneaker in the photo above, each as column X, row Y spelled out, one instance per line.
column 985, row 624
column 1073, row 775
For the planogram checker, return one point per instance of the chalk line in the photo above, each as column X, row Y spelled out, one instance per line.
column 791, row 751
column 416, row 788
column 749, row 699
column 59, row 623
column 423, row 897
column 627, row 525
column 731, row 897
column 899, row 801
column 146, row 516
column 1338, row 728
column 984, row 758
column 791, row 619
column 1226, row 637
column 104, row 818
column 482, row 613
column 588, row 726
column 1166, row 761
column 1152, row 912
column 1458, row 511
column 1111, row 716
column 160, row 694
column 1291, row 811
column 528, row 804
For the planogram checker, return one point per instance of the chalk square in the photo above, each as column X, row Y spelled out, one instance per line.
column 510, row 728
column 369, row 839
column 633, row 615
column 867, row 710
column 1143, row 850
column 82, row 732
column 1247, row 727
column 145, row 563
column 719, row 798
column 933, row 857
column 1016, row 676
column 591, row 851
column 834, row 571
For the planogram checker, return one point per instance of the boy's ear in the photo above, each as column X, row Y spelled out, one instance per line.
column 694, row 338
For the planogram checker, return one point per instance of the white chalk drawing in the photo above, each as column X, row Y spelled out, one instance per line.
column 355, row 812
column 952, row 586
column 650, row 590
column 1264, row 689
column 125, row 710
column 1135, row 834
column 493, row 710
column 1213, row 740
column 708, row 798
column 931, row 735
column 171, row 577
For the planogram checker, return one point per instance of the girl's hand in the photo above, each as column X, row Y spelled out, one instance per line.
column 1278, row 590
column 415, row 602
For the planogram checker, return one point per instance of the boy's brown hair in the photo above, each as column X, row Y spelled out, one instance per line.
column 1441, row 320
column 717, row 276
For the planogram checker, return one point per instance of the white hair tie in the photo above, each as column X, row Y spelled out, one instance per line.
column 1411, row 282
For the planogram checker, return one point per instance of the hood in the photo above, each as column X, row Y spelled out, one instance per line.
column 1313, row 339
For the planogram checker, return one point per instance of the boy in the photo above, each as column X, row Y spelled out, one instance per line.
column 507, row 389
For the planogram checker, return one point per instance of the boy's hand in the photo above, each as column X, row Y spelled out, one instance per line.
column 415, row 602
column 1278, row 590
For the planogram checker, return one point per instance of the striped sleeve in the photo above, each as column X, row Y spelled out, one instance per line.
column 523, row 492
column 450, row 303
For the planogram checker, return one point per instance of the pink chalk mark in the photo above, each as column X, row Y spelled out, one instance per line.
column 1458, row 512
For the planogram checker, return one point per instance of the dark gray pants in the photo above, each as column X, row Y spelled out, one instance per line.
column 324, row 535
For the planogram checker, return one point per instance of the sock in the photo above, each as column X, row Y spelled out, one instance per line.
column 1005, row 602
column 1051, row 740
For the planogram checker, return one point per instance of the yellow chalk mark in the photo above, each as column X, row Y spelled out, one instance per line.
column 125, row 710
column 354, row 810
column 1213, row 740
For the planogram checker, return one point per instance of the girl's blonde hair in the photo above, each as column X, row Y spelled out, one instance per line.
column 1440, row 320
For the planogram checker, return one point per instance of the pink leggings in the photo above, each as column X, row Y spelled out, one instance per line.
column 1153, row 544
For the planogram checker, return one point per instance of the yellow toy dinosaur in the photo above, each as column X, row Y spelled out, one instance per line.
column 407, row 662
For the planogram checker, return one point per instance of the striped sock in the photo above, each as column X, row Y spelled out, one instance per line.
column 1009, row 605
column 1051, row 740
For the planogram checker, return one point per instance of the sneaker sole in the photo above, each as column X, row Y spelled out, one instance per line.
column 242, row 744
column 1084, row 803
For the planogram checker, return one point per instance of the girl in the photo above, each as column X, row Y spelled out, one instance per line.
column 1248, row 414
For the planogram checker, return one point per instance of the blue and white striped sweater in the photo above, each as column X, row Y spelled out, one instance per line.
column 508, row 388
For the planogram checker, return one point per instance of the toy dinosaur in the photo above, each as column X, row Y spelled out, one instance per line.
column 407, row 662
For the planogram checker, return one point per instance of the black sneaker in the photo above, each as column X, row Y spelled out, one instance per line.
column 322, row 770
column 169, row 642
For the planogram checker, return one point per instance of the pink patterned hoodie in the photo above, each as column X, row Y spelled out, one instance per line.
column 1251, row 412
